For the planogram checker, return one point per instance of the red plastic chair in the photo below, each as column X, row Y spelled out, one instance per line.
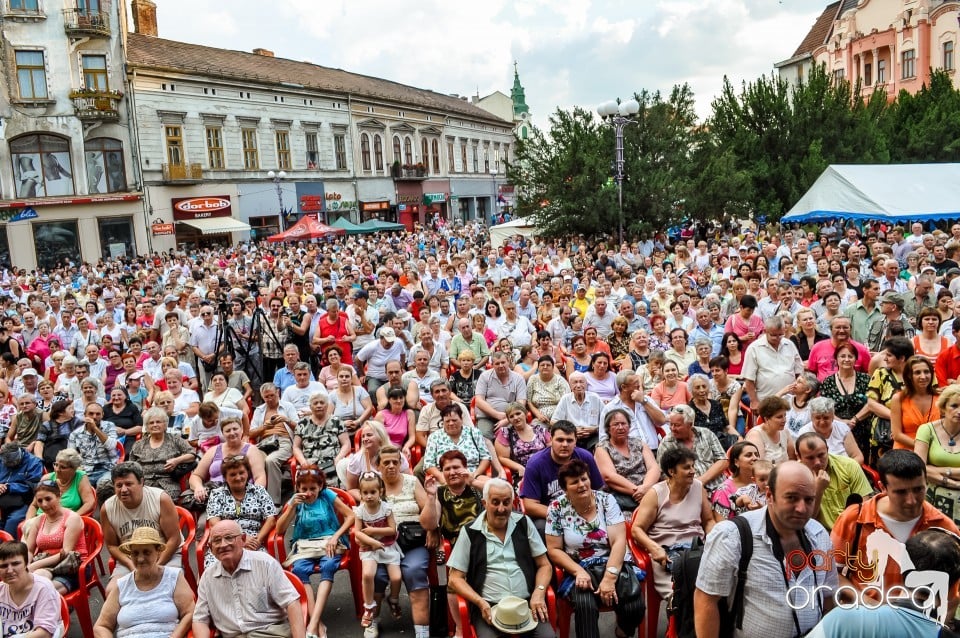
column 873, row 477
column 6, row 538
column 349, row 561
column 121, row 452
column 64, row 616
column 641, row 558
column 79, row 599
column 467, row 626
column 188, row 527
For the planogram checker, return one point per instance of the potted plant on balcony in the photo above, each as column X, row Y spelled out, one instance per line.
column 421, row 169
column 395, row 168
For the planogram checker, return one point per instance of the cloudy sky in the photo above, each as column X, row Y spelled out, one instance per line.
column 570, row 52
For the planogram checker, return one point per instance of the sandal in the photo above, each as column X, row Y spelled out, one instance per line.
column 367, row 619
column 395, row 609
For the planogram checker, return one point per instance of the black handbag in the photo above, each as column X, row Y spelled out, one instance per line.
column 183, row 469
column 883, row 433
column 628, row 587
column 411, row 536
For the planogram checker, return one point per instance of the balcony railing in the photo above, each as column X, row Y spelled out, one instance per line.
column 409, row 172
column 103, row 106
column 86, row 23
column 192, row 173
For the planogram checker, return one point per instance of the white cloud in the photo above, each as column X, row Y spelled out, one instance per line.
column 570, row 52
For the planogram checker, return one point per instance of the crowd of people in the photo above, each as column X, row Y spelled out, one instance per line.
column 546, row 408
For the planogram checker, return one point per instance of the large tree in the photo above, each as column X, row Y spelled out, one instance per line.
column 783, row 137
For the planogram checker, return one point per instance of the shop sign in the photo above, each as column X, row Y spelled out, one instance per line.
column 341, row 205
column 374, row 206
column 408, row 199
column 18, row 216
column 506, row 188
column 201, row 207
column 434, row 198
column 311, row 203
column 162, row 229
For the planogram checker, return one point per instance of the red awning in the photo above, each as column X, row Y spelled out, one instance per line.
column 307, row 228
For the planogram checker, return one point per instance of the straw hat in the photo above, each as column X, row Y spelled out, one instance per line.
column 513, row 616
column 143, row 536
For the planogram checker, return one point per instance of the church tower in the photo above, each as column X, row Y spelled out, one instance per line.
column 521, row 112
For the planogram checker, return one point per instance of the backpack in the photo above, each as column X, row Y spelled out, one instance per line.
column 684, row 571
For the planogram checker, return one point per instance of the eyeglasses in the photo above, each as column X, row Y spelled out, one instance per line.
column 206, row 314
column 308, row 471
column 237, row 457
column 48, row 482
column 224, row 540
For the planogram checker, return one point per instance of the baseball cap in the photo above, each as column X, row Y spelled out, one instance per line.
column 171, row 299
column 29, row 372
column 892, row 297
column 388, row 335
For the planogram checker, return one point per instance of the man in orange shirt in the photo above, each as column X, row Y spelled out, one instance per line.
column 948, row 361
column 869, row 539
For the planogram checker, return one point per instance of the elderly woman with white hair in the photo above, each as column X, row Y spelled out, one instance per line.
column 824, row 422
column 711, row 460
column 709, row 413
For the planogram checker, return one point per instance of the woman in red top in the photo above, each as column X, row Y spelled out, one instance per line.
column 334, row 329
column 55, row 532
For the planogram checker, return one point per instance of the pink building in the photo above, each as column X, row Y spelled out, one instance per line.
column 886, row 45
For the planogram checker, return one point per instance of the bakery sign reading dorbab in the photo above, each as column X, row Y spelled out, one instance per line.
column 201, row 207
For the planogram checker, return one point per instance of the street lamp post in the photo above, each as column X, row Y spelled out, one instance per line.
column 619, row 115
column 493, row 200
column 277, row 178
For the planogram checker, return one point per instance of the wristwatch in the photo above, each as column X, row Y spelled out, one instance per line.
column 613, row 570
column 542, row 587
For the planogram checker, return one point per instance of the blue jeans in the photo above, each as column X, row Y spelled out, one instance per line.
column 13, row 518
column 304, row 567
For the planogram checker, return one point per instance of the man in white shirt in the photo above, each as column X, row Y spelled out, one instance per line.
column 298, row 395
column 581, row 408
column 600, row 317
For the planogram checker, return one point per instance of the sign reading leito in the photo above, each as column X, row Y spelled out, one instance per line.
column 201, row 207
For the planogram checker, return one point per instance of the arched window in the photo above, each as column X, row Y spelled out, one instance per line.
column 365, row 151
column 396, row 149
column 378, row 152
column 103, row 157
column 407, row 150
column 42, row 166
column 436, row 156
column 425, row 152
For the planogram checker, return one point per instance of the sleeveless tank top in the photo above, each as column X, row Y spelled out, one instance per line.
column 773, row 451
column 52, row 543
column 70, row 498
column 148, row 614
column 677, row 522
column 215, row 474
column 147, row 514
column 404, row 504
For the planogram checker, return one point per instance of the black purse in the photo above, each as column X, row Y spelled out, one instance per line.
column 628, row 587
column 411, row 536
column 183, row 469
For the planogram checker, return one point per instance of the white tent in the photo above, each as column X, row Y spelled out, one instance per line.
column 519, row 226
column 898, row 192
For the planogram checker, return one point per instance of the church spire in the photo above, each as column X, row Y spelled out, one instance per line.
column 517, row 94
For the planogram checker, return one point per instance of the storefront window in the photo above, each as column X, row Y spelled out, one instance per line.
column 4, row 248
column 105, row 171
column 56, row 243
column 116, row 238
column 41, row 166
column 263, row 227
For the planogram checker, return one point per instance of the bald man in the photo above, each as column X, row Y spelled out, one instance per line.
column 784, row 527
column 245, row 592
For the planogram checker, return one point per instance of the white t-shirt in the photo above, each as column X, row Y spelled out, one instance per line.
column 835, row 442
column 182, row 402
column 300, row 397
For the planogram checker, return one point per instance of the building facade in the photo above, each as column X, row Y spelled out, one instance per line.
column 885, row 45
column 237, row 144
column 69, row 184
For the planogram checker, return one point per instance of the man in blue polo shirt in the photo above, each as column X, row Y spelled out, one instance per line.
column 540, row 484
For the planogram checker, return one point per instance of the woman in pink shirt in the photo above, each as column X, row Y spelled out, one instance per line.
column 745, row 323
